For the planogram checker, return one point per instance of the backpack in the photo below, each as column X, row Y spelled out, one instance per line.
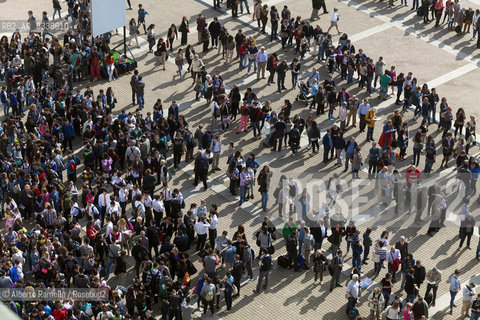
column 217, row 112
column 209, row 295
column 76, row 159
column 72, row 166
column 155, row 280
column 353, row 313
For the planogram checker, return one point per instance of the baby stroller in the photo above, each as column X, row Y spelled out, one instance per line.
column 304, row 93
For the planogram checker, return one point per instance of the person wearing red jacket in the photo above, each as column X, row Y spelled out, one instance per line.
column 242, row 53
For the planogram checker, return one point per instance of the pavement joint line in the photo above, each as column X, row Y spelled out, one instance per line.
column 367, row 33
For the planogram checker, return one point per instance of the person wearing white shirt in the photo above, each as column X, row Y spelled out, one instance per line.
column 88, row 123
column 261, row 60
column 362, row 112
column 108, row 228
column 284, row 201
column 147, row 201
column 212, row 229
column 475, row 20
column 139, row 207
column 216, row 147
column 103, row 203
column 97, row 223
column 91, row 209
column 201, row 228
column 215, row 112
column 180, row 197
column 123, row 198
column 114, row 208
column 353, row 292
column 392, row 256
column 158, row 209
column 334, row 21
column 166, row 197
column 75, row 210
column 468, row 293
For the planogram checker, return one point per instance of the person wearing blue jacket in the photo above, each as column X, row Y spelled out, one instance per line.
column 4, row 100
column 68, row 132
column 13, row 103
column 327, row 142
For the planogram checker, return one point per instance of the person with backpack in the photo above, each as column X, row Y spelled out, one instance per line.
column 139, row 253
column 152, row 279
column 376, row 303
column 71, row 169
column 353, row 293
column 208, row 294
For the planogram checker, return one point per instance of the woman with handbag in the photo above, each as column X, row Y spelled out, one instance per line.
column 179, row 62
column 172, row 34
column 161, row 52
column 184, row 30
column 379, row 256
column 151, row 37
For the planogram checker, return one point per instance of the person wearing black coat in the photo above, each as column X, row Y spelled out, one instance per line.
column 149, row 181
column 281, row 72
column 201, row 169
column 182, row 242
column 153, row 235
column 172, row 34
column 317, row 4
column 466, row 230
column 294, row 140
column 319, row 233
column 175, row 209
column 139, row 253
column 292, row 245
column 237, row 272
column 214, row 29
column 184, row 28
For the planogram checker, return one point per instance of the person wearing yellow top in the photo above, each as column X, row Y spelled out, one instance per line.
column 370, row 120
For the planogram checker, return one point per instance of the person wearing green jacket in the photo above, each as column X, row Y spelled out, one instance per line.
column 76, row 61
column 289, row 227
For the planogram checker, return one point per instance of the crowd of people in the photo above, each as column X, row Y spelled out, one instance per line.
column 74, row 218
